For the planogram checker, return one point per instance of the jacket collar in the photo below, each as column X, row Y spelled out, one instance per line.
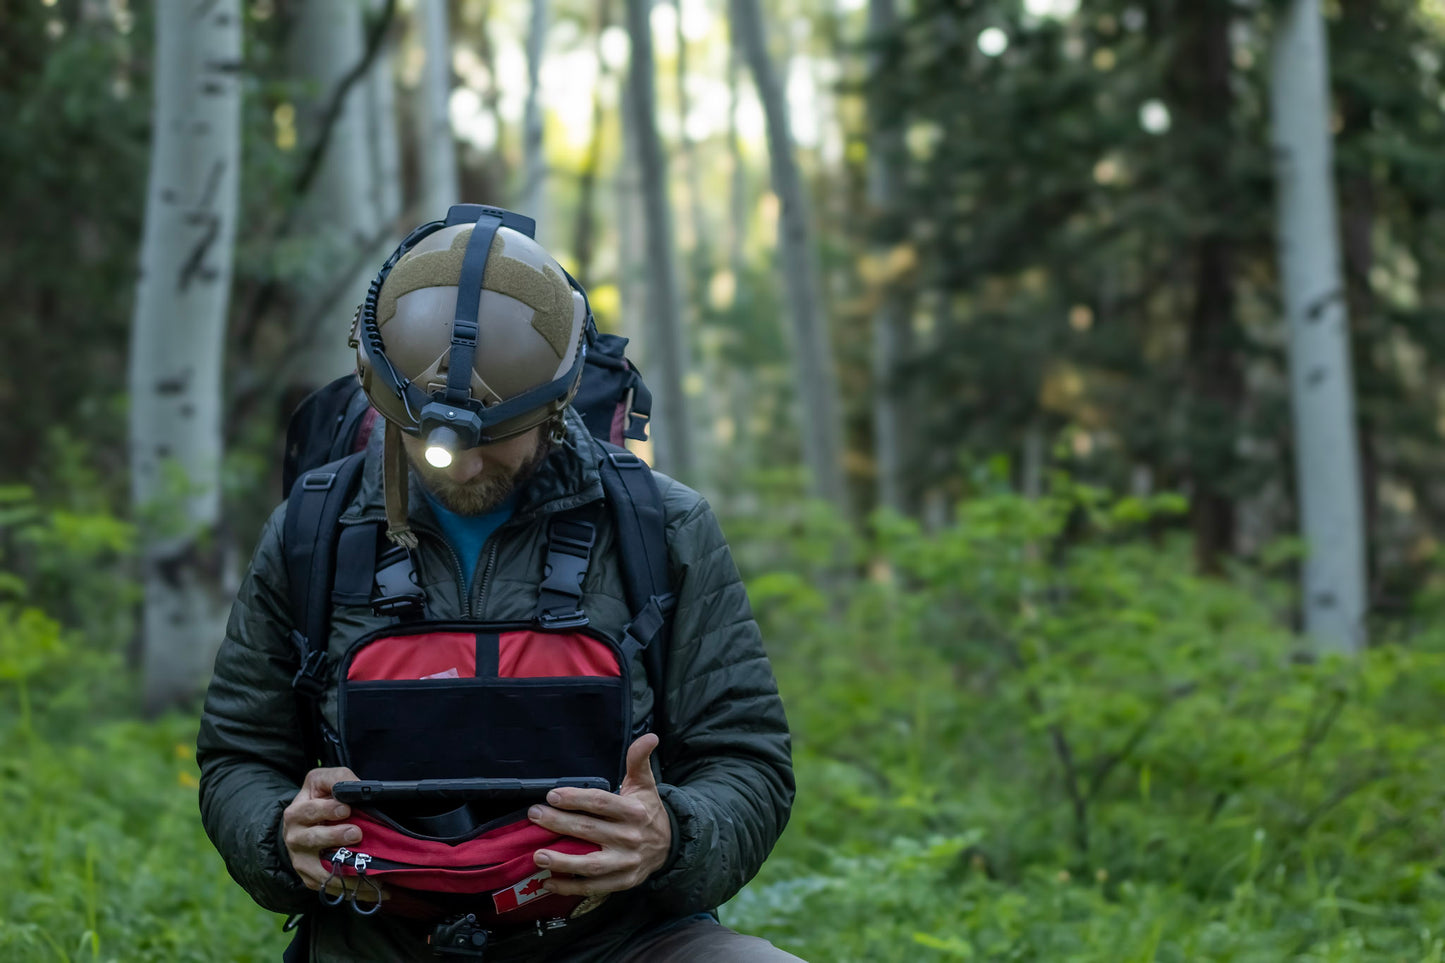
column 567, row 478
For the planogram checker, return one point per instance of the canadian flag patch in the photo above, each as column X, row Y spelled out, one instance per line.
column 521, row 893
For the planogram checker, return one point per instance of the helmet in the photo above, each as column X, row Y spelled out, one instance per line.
column 471, row 333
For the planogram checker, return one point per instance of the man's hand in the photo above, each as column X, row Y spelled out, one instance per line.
column 631, row 827
column 309, row 825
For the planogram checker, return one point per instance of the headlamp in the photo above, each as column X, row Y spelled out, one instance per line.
column 447, row 430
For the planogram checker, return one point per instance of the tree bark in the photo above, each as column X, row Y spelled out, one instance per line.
column 890, row 317
column 666, row 350
column 177, row 341
column 534, row 166
column 327, row 42
column 437, row 147
column 584, row 234
column 816, row 384
column 1213, row 379
column 1321, row 375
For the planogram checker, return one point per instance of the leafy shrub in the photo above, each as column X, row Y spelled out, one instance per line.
column 1035, row 736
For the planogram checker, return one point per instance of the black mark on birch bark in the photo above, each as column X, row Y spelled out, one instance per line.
column 1318, row 307
column 174, row 385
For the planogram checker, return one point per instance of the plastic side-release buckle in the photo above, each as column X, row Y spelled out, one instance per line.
column 309, row 680
column 569, row 549
column 397, row 593
column 459, row 936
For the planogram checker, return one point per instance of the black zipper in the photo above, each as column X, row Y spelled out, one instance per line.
column 473, row 602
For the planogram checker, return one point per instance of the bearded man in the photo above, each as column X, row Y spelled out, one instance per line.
column 470, row 348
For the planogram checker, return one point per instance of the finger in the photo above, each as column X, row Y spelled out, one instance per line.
column 310, row 812
column 602, row 863
column 590, row 886
column 599, row 802
column 313, row 839
column 603, row 832
column 319, row 781
column 639, row 765
column 308, row 867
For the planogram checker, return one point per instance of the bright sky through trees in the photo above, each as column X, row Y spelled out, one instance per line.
column 993, row 41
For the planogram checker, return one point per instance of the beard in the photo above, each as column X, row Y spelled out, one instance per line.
column 486, row 491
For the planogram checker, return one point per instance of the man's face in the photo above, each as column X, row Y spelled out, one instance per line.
column 479, row 479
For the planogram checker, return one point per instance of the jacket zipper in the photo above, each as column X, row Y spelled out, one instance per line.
column 457, row 571
column 473, row 603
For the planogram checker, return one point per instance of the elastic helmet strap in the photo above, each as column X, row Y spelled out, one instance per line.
column 465, row 326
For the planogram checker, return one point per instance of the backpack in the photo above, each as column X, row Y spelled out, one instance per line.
column 328, row 563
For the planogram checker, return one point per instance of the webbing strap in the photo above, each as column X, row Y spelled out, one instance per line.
column 313, row 510
column 637, row 511
column 465, row 326
column 355, row 564
column 639, row 407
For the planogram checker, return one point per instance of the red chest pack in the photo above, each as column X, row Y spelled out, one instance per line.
column 544, row 699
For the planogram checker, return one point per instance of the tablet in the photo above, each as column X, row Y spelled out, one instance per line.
column 375, row 792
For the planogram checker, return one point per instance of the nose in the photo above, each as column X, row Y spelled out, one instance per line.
column 466, row 465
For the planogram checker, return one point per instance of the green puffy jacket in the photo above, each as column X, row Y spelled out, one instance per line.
column 727, row 783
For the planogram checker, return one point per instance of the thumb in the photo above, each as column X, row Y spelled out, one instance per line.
column 639, row 765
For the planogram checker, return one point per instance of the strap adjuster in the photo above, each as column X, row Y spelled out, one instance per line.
column 570, row 620
column 308, row 679
column 318, row 481
column 625, row 460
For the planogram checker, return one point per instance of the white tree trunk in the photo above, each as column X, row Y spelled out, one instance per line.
column 178, row 339
column 326, row 43
column 631, row 264
column 1321, row 377
column 819, row 421
column 890, row 317
column 534, row 166
column 437, row 146
column 665, row 345
column 384, row 147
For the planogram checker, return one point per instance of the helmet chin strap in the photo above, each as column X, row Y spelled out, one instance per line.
column 395, row 470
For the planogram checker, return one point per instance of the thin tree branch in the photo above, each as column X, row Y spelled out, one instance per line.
column 249, row 323
column 1109, row 763
column 374, row 39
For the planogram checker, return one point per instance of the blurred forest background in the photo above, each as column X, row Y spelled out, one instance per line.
column 1107, row 614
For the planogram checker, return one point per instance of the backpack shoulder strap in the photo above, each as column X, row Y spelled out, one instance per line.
column 313, row 511
column 349, row 423
column 636, row 506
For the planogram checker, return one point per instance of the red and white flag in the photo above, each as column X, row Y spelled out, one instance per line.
column 521, row 893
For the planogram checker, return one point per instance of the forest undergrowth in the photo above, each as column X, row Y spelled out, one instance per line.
column 1030, row 736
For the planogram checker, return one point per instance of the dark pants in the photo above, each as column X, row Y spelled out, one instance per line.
column 705, row 941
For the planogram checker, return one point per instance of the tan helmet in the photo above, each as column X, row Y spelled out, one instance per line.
column 471, row 333
column 524, row 353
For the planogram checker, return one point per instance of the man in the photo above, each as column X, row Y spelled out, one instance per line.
column 477, row 378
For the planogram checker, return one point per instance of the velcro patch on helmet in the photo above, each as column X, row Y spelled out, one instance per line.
column 546, row 292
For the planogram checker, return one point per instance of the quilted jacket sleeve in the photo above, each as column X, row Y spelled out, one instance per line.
column 728, row 779
column 249, row 746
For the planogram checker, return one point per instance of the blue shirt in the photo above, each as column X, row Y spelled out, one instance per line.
column 468, row 534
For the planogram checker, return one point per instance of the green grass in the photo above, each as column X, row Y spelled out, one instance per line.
column 106, row 857
column 1004, row 753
